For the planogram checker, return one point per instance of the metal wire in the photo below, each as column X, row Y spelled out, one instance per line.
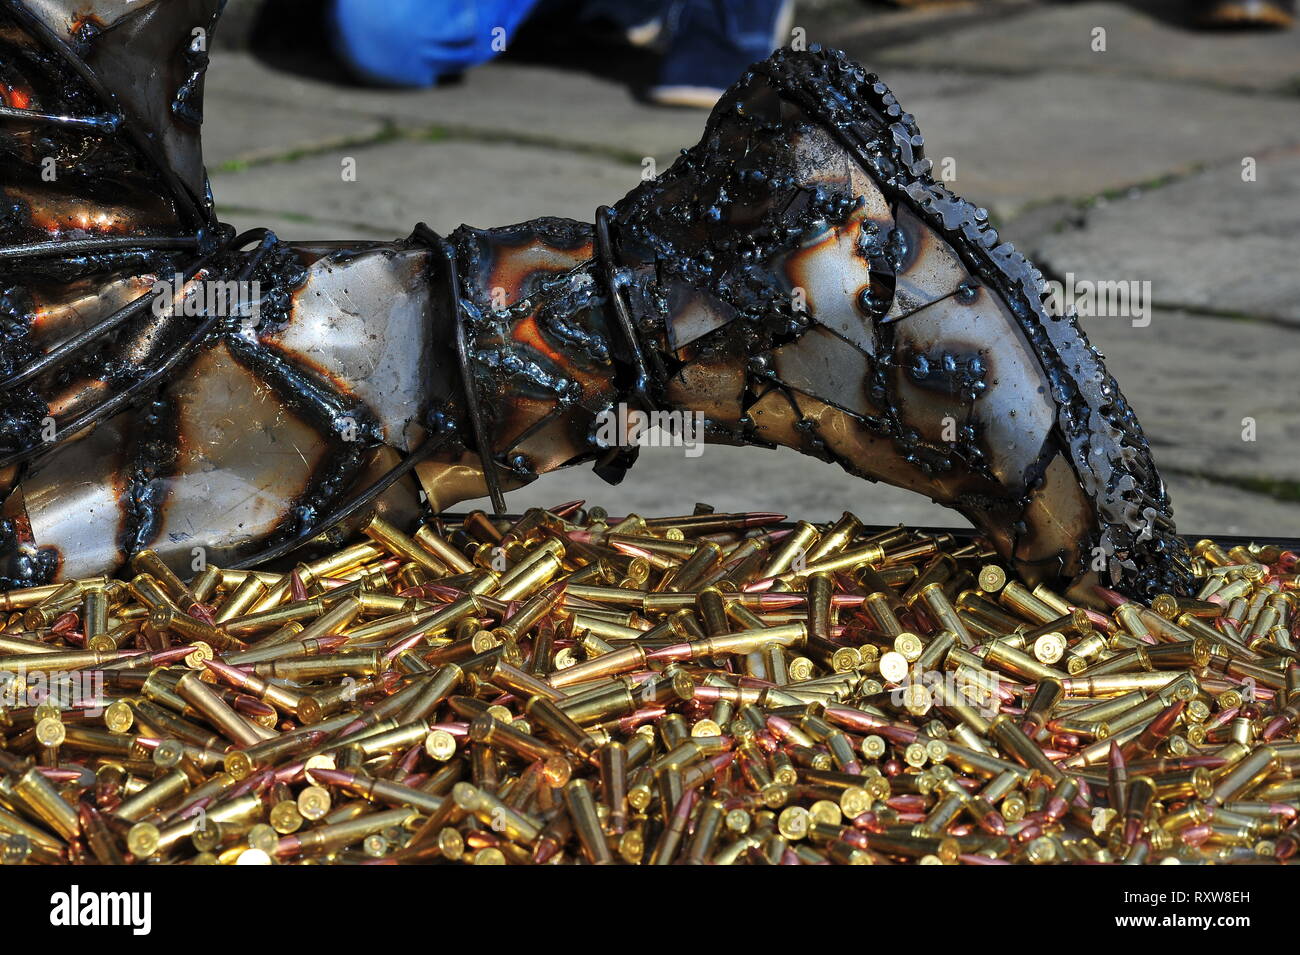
column 644, row 381
column 148, row 146
column 61, row 352
column 436, row 242
column 430, row 444
column 97, row 124
column 153, row 376
column 114, row 243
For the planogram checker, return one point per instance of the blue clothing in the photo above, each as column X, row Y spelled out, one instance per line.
column 417, row 42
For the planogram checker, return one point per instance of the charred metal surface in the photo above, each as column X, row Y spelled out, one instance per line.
column 27, row 561
column 152, row 458
column 538, row 341
column 121, row 426
column 809, row 191
column 797, row 278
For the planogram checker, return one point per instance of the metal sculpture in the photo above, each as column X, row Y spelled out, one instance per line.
column 797, row 277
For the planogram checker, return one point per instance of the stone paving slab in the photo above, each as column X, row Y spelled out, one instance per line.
column 663, row 481
column 234, row 132
column 443, row 183
column 300, row 228
column 498, row 99
column 1192, row 380
column 1017, row 142
column 1059, row 37
column 1210, row 242
column 1204, row 508
column 844, row 23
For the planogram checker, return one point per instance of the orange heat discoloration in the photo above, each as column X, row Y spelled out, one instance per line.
column 833, row 253
column 59, row 212
column 83, row 20
column 15, row 97
column 57, row 216
column 515, row 266
column 77, row 397
column 88, row 304
column 97, row 222
column 527, row 333
column 300, row 360
column 525, row 411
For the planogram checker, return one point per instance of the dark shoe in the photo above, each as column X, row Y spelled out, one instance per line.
column 711, row 42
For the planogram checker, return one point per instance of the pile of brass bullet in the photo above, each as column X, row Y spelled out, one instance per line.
column 720, row 689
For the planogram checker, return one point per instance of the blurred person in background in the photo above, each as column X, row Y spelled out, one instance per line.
column 705, row 44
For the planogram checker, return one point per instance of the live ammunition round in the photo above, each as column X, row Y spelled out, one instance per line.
column 568, row 687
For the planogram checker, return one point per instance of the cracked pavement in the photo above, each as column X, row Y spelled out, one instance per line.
column 1171, row 158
